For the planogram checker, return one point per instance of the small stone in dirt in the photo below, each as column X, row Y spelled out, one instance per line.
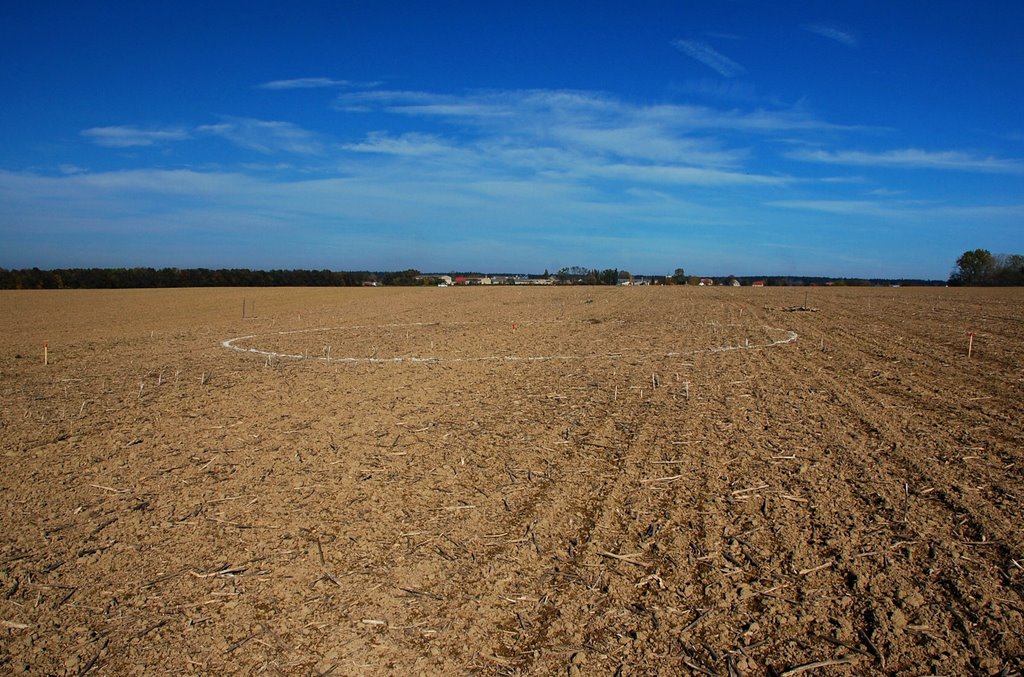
column 898, row 619
column 911, row 598
column 989, row 665
column 578, row 658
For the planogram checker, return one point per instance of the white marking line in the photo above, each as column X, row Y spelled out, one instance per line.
column 230, row 343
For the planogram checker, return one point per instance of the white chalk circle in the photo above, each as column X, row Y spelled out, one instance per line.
column 434, row 342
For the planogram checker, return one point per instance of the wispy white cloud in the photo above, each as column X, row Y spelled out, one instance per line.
column 127, row 136
column 266, row 136
column 833, row 33
column 909, row 210
column 1011, row 214
column 730, row 90
column 482, row 107
column 304, row 83
column 573, row 133
column 411, row 144
column 544, row 113
column 840, row 207
column 710, row 57
column 648, row 141
column 913, row 158
column 693, row 176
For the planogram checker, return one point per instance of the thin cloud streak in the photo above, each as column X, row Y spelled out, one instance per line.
column 913, row 158
column 840, row 207
column 126, row 136
column 907, row 210
column 832, row 33
column 265, row 136
column 535, row 110
column 694, row 176
column 304, row 83
column 403, row 145
column 648, row 141
column 710, row 57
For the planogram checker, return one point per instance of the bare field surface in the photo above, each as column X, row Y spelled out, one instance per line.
column 512, row 481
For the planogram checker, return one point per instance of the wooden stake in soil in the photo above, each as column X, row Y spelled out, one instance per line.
column 970, row 343
column 46, row 356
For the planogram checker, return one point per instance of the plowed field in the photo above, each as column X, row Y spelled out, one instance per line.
column 512, row 481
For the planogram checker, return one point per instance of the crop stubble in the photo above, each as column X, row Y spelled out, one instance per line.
column 640, row 500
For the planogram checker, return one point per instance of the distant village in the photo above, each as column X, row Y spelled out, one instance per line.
column 624, row 281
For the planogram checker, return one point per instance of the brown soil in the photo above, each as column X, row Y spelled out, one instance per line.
column 666, row 486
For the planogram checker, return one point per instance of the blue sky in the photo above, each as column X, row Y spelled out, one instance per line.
column 726, row 137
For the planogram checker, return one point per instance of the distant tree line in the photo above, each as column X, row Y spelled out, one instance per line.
column 981, row 267
column 976, row 269
column 804, row 281
column 582, row 275
column 128, row 278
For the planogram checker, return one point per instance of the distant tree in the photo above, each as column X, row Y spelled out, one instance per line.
column 403, row 278
column 573, row 272
column 1008, row 270
column 974, row 268
column 679, row 276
